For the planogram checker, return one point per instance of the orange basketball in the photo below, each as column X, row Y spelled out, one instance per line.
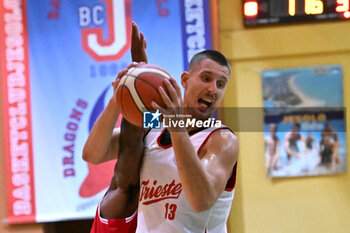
column 137, row 89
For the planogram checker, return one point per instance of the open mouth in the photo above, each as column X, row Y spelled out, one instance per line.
column 205, row 103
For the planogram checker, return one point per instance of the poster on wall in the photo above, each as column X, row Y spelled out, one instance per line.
column 304, row 121
column 58, row 59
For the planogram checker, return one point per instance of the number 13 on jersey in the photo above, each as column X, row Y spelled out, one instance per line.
column 170, row 210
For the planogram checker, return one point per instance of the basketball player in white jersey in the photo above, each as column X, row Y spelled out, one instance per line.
column 190, row 188
column 188, row 174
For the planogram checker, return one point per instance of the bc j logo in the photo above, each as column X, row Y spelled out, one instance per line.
column 118, row 13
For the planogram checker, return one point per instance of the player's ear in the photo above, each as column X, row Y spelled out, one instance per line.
column 184, row 78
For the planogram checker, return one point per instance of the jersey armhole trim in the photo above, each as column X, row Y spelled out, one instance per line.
column 231, row 183
column 105, row 221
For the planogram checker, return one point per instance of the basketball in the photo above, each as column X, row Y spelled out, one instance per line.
column 137, row 89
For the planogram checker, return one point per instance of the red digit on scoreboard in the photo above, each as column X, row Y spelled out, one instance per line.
column 342, row 6
column 251, row 8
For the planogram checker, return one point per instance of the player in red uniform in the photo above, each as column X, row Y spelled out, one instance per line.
column 116, row 212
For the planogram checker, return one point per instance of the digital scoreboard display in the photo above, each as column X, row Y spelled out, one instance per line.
column 262, row 12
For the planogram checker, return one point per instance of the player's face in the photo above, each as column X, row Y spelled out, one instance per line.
column 205, row 85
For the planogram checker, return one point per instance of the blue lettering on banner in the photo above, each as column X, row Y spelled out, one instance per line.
column 70, row 137
column 196, row 33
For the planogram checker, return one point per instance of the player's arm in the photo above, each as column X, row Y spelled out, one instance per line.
column 102, row 143
column 131, row 144
column 208, row 172
column 121, row 199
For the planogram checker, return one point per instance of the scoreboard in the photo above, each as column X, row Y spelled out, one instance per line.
column 263, row 12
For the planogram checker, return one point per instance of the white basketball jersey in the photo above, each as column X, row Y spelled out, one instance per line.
column 163, row 206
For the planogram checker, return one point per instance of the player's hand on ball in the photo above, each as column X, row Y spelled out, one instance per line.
column 116, row 82
column 121, row 74
column 172, row 99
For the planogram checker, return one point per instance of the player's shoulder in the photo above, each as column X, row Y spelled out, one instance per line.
column 222, row 143
column 222, row 130
column 222, row 136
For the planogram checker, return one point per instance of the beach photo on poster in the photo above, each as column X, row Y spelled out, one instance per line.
column 304, row 124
